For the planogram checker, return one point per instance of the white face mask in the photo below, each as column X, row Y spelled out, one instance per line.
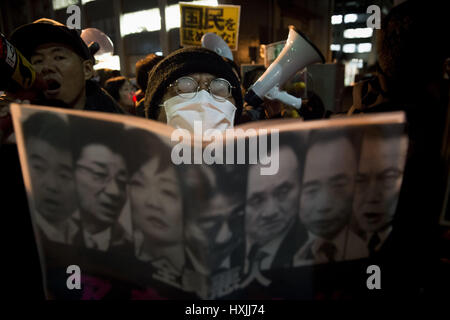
column 213, row 114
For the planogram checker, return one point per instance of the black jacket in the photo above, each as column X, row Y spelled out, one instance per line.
column 97, row 99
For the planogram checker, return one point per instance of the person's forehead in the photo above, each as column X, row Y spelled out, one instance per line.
column 201, row 76
column 287, row 171
column 100, row 153
column 333, row 149
column 41, row 147
column 150, row 170
column 330, row 158
column 373, row 146
column 50, row 47
column 379, row 152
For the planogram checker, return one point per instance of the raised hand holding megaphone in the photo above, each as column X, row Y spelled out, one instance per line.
column 298, row 53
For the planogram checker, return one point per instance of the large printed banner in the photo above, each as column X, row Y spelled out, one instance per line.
column 107, row 196
column 196, row 20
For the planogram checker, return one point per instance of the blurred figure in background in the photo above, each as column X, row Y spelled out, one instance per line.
column 121, row 89
column 102, row 75
column 412, row 50
column 143, row 67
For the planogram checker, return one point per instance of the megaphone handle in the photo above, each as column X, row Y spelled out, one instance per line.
column 284, row 97
column 253, row 99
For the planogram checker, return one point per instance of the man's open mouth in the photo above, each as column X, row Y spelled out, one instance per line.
column 53, row 87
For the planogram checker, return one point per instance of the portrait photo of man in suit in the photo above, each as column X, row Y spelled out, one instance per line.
column 326, row 199
column 378, row 183
column 51, row 170
column 214, row 199
column 101, row 182
column 271, row 209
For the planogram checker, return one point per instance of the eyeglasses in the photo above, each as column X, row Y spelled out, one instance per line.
column 187, row 88
column 103, row 177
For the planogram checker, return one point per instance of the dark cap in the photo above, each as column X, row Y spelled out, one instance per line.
column 27, row 37
column 182, row 63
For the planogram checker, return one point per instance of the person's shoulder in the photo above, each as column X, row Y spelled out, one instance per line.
column 97, row 99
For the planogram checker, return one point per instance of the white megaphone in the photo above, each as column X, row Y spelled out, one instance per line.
column 101, row 43
column 215, row 43
column 297, row 53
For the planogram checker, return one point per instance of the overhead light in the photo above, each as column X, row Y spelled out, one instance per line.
column 140, row 21
column 336, row 19
column 358, row 62
column 207, row 2
column 61, row 4
column 173, row 17
column 349, row 48
column 351, row 17
column 364, row 47
column 335, row 47
column 107, row 61
column 358, row 33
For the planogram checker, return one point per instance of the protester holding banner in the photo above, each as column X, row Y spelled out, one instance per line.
column 121, row 89
column 194, row 84
column 143, row 67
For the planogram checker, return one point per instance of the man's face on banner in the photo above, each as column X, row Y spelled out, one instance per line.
column 156, row 203
column 52, row 178
column 215, row 231
column 101, row 178
column 328, row 183
column 272, row 200
column 378, row 181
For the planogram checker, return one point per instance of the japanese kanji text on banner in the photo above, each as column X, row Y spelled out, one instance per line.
column 196, row 20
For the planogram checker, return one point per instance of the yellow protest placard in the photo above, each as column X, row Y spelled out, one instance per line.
column 196, row 20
